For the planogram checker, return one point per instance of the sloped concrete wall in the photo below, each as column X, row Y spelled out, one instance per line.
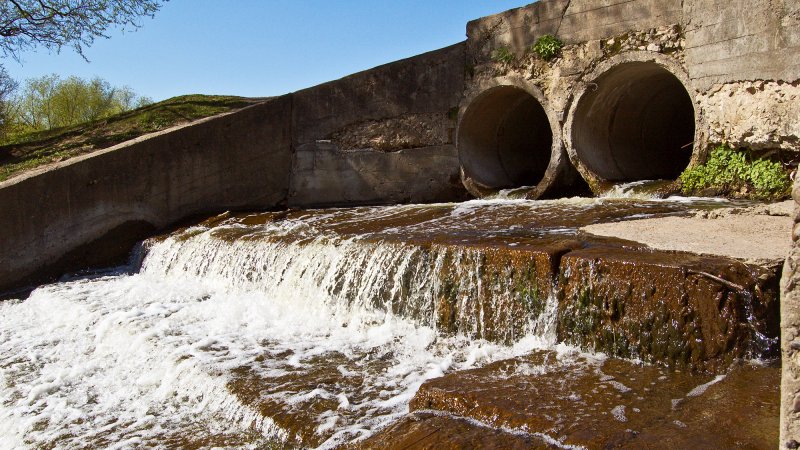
column 341, row 143
column 88, row 212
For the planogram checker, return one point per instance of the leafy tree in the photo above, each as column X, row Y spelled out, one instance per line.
column 7, row 88
column 33, row 109
column 53, row 24
column 51, row 102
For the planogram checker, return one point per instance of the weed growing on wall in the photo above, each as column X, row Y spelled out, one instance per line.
column 503, row 55
column 734, row 173
column 547, row 47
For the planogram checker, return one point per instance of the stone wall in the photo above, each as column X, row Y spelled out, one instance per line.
column 790, row 336
column 738, row 62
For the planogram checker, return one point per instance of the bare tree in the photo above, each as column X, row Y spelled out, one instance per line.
column 53, row 24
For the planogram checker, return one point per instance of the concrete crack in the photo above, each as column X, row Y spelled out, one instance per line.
column 563, row 14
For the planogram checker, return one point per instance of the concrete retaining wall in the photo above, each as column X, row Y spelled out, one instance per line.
column 89, row 211
column 380, row 136
column 737, row 61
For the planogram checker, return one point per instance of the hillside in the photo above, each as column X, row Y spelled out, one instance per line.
column 44, row 147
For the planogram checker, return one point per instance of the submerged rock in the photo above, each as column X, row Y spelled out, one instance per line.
column 428, row 430
column 578, row 399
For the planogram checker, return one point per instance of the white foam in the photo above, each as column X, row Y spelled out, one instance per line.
column 619, row 386
column 619, row 413
column 700, row 390
column 135, row 358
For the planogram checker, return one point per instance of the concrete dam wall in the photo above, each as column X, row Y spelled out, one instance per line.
column 641, row 89
column 310, row 148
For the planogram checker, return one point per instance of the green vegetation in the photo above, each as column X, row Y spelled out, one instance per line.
column 7, row 87
column 31, row 150
column 503, row 55
column 54, row 24
column 52, row 102
column 736, row 174
column 547, row 47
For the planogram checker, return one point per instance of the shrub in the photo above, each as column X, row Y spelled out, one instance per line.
column 503, row 55
column 731, row 172
column 547, row 47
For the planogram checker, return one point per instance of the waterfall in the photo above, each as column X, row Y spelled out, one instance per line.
column 214, row 333
column 437, row 286
column 313, row 328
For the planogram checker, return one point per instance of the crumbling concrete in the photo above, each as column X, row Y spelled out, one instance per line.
column 754, row 114
column 734, row 63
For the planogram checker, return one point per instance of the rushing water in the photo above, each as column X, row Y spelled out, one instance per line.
column 307, row 327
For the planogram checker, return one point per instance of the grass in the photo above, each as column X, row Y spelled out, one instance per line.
column 503, row 55
column 28, row 151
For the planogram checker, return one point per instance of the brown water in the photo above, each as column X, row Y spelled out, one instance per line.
column 571, row 399
column 322, row 328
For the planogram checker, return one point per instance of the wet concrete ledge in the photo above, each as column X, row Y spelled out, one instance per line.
column 550, row 400
column 677, row 309
column 602, row 294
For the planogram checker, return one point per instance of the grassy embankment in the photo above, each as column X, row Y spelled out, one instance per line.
column 36, row 149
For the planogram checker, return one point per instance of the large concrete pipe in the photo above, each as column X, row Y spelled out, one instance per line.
column 508, row 137
column 634, row 121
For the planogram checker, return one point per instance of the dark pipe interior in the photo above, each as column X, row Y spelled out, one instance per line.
column 638, row 124
column 505, row 139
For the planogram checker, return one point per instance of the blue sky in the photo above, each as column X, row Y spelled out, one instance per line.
column 262, row 47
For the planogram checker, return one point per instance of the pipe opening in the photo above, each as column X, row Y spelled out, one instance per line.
column 638, row 124
column 505, row 139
